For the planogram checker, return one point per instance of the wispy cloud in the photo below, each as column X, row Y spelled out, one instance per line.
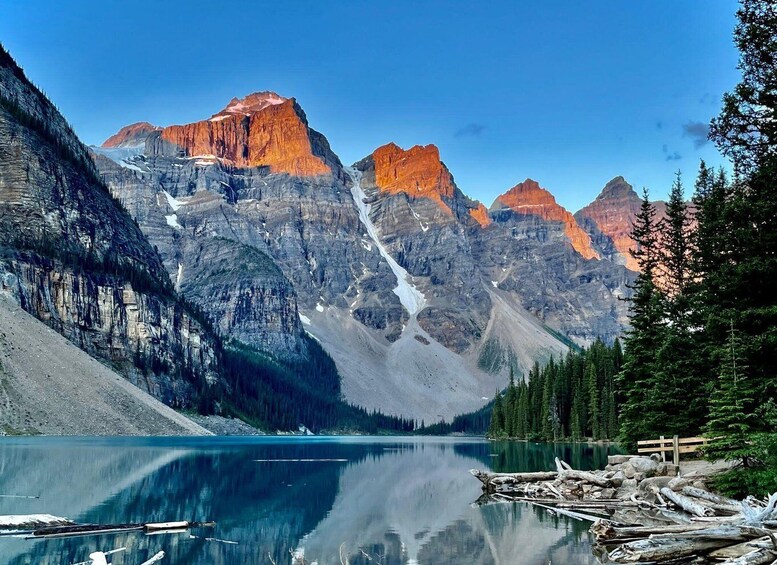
column 670, row 155
column 470, row 130
column 698, row 132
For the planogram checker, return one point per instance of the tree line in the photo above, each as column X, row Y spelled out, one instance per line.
column 572, row 398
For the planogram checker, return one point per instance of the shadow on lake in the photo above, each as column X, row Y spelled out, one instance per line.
column 403, row 500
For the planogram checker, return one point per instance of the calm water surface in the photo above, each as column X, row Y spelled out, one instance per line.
column 401, row 501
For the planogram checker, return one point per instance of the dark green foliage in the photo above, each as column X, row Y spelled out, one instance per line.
column 647, row 317
column 570, row 398
column 733, row 416
column 746, row 129
column 705, row 325
column 277, row 395
column 473, row 423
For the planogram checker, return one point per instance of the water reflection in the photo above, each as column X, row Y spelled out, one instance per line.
column 408, row 501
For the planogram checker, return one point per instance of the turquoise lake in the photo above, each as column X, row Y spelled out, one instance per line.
column 393, row 501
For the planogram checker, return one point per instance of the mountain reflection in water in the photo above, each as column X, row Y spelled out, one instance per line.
column 400, row 500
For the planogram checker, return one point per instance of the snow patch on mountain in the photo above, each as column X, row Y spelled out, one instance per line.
column 412, row 299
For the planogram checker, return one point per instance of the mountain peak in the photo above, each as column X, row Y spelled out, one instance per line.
column 254, row 102
column 418, row 172
column 130, row 136
column 617, row 188
column 528, row 198
column 612, row 213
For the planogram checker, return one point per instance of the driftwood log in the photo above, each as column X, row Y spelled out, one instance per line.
column 647, row 519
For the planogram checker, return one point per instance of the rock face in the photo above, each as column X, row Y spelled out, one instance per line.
column 425, row 222
column 528, row 252
column 609, row 219
column 528, row 198
column 77, row 261
column 130, row 136
column 262, row 130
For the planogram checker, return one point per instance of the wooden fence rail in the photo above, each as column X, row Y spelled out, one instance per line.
column 676, row 445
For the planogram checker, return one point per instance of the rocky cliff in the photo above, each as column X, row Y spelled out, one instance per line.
column 529, row 199
column 610, row 217
column 130, row 136
column 261, row 130
column 76, row 260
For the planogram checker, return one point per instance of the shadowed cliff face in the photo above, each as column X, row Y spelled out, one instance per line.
column 75, row 259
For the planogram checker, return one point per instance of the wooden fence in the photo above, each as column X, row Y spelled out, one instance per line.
column 676, row 445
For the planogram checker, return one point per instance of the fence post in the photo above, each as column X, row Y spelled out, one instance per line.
column 663, row 453
column 676, row 450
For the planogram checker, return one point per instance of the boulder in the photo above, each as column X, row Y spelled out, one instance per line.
column 618, row 459
column 665, row 469
column 607, row 493
column 644, row 465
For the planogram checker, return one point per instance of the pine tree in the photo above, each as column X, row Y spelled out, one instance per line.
column 679, row 388
column 732, row 420
column 511, row 400
column 594, row 412
column 496, row 428
column 746, row 129
column 636, row 379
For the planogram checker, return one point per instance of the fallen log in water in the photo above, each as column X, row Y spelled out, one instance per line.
column 98, row 529
column 565, row 473
column 30, row 521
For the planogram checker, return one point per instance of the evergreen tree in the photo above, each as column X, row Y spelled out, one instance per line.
column 594, row 412
column 511, row 400
column 679, row 384
column 746, row 129
column 732, row 419
column 636, row 379
column 496, row 428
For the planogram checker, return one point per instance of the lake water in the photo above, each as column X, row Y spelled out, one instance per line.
column 373, row 500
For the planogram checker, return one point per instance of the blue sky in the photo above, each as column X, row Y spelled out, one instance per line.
column 568, row 93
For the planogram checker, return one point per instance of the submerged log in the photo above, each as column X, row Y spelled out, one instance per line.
column 156, row 558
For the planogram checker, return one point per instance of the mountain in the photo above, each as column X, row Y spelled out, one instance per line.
column 76, row 260
column 609, row 219
column 423, row 297
column 73, row 257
